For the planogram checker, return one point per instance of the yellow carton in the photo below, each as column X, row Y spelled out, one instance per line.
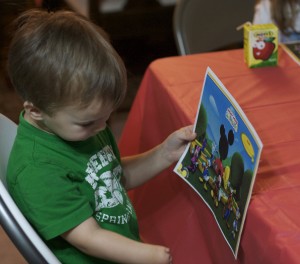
column 260, row 45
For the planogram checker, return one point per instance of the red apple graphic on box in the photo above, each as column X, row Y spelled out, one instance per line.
column 263, row 48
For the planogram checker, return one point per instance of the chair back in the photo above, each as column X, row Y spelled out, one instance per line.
column 27, row 241
column 203, row 26
column 8, row 131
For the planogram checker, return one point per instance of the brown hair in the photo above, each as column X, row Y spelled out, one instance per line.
column 60, row 59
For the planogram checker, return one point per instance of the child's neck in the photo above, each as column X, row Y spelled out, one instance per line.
column 38, row 124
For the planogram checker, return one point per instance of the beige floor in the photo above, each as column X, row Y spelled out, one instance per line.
column 8, row 253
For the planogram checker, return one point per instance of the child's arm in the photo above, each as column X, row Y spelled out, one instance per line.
column 140, row 168
column 91, row 239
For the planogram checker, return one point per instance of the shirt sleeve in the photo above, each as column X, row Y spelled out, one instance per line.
column 50, row 200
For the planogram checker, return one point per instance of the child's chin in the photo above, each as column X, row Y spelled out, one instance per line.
column 76, row 139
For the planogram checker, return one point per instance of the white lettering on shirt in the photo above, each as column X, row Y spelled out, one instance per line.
column 108, row 191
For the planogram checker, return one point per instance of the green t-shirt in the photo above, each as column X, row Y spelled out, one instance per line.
column 59, row 184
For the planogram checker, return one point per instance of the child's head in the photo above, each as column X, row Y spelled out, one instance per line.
column 60, row 59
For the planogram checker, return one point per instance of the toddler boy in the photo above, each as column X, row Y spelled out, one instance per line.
column 65, row 172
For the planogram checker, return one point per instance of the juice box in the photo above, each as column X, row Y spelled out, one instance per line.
column 260, row 45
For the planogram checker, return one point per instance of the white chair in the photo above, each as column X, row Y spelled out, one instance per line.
column 209, row 25
column 30, row 245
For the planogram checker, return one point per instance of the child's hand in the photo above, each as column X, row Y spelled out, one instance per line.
column 140, row 168
column 174, row 145
column 161, row 255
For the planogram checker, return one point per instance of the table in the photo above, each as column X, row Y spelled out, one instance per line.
column 169, row 211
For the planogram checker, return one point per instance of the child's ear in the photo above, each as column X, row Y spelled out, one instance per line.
column 32, row 111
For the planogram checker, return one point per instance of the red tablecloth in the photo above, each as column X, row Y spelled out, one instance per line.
column 169, row 211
